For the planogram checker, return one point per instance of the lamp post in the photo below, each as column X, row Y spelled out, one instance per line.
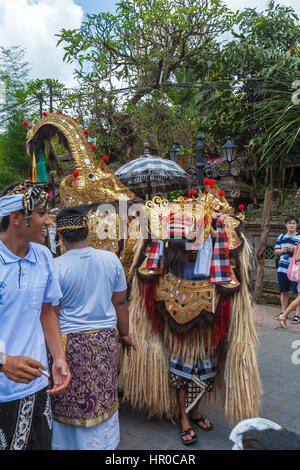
column 199, row 165
column 173, row 151
column 201, row 170
column 229, row 151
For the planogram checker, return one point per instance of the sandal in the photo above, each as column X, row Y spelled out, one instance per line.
column 279, row 315
column 282, row 321
column 202, row 420
column 296, row 320
column 188, row 433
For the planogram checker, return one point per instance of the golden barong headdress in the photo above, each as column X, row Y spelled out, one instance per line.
column 95, row 182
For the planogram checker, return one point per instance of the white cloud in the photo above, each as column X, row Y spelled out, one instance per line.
column 33, row 24
column 261, row 5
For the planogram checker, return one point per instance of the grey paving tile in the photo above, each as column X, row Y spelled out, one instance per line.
column 281, row 383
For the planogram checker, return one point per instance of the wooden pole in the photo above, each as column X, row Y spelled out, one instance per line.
column 261, row 252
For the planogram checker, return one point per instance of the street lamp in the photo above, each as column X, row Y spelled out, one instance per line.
column 173, row 151
column 229, row 151
column 201, row 170
column 199, row 165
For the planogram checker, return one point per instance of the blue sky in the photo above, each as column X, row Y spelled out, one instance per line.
column 95, row 6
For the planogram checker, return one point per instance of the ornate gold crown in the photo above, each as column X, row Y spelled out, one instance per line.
column 202, row 209
column 95, row 183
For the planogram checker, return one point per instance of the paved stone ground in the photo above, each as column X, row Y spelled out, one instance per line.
column 281, row 385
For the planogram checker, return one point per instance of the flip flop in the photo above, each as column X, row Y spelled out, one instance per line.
column 187, row 432
column 202, row 420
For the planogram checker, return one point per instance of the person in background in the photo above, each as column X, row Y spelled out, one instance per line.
column 28, row 286
column 284, row 247
column 296, row 303
column 93, row 315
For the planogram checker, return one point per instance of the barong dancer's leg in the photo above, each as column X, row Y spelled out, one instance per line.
column 185, row 424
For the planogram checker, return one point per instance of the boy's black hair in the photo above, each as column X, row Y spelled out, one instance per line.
column 73, row 236
column 290, row 218
column 270, row 439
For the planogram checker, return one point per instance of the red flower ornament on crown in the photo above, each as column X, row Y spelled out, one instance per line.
column 74, row 119
column 105, row 158
column 85, row 131
column 93, row 147
column 75, row 174
column 221, row 193
column 206, row 181
column 192, row 192
column 241, row 207
column 211, row 182
column 59, row 111
column 44, row 113
column 206, row 191
column 25, row 123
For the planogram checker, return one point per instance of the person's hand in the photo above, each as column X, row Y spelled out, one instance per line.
column 126, row 343
column 21, row 369
column 213, row 232
column 61, row 376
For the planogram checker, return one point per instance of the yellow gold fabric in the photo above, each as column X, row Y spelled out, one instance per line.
column 86, row 423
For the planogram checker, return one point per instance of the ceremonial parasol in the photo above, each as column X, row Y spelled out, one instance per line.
column 157, row 173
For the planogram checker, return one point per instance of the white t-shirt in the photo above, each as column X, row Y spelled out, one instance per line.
column 25, row 283
column 88, row 277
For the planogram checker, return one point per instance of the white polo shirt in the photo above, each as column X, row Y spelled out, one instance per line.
column 88, row 277
column 25, row 283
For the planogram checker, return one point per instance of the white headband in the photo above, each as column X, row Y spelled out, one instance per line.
column 11, row 203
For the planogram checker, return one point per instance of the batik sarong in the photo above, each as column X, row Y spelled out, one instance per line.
column 92, row 395
column 196, row 377
column 26, row 424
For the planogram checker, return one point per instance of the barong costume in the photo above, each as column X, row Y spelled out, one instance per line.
column 25, row 283
column 192, row 330
column 85, row 414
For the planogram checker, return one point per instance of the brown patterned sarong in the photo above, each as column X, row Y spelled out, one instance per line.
column 92, row 395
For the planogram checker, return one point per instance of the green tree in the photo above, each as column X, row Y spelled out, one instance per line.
column 14, row 162
column 242, row 86
column 139, row 48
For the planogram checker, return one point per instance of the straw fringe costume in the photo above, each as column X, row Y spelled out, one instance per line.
column 199, row 324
